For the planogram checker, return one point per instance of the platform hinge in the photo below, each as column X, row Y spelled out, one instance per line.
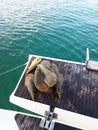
column 48, row 123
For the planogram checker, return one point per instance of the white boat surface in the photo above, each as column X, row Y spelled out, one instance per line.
column 7, row 121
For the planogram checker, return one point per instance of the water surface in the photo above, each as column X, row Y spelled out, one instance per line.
column 54, row 28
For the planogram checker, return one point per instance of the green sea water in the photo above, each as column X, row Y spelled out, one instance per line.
column 54, row 28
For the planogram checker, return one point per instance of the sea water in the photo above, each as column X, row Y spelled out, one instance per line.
column 53, row 28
